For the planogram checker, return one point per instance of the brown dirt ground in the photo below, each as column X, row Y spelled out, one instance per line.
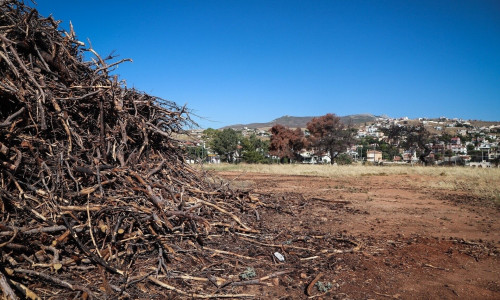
column 398, row 239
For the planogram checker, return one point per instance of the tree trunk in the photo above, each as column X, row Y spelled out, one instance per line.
column 426, row 153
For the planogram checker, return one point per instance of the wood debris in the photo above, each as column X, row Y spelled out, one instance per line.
column 91, row 177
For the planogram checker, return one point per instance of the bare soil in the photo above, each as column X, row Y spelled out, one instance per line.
column 383, row 237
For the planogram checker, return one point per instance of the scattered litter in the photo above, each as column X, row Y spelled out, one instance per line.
column 279, row 256
column 248, row 274
column 323, row 287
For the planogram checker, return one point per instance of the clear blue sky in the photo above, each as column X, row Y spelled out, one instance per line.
column 253, row 61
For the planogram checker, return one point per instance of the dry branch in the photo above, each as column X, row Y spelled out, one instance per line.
column 7, row 291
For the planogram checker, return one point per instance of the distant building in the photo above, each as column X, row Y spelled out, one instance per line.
column 213, row 159
column 374, row 155
column 410, row 156
column 455, row 141
column 309, row 157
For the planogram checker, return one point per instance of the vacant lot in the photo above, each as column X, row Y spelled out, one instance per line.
column 378, row 232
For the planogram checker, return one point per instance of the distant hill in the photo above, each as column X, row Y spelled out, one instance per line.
column 360, row 118
column 294, row 122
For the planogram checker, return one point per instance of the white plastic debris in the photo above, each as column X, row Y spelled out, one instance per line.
column 279, row 256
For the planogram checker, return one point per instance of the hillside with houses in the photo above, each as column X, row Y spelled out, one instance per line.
column 448, row 141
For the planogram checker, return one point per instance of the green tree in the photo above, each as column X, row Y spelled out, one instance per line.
column 438, row 156
column 394, row 133
column 411, row 137
column 464, row 138
column 251, row 143
column 446, row 137
column 418, row 138
column 475, row 155
column 496, row 161
column 253, row 156
column 225, row 143
column 196, row 153
column 209, row 134
column 388, row 150
column 254, row 149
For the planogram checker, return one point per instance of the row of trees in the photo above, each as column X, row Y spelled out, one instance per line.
column 419, row 139
column 228, row 143
column 327, row 135
column 413, row 137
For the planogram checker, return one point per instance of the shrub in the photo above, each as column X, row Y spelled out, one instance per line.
column 253, row 157
column 344, row 159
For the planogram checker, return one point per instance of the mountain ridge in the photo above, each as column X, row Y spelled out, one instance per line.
column 294, row 122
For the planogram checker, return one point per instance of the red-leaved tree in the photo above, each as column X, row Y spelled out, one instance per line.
column 285, row 142
column 330, row 135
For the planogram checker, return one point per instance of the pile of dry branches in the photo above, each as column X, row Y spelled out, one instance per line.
column 96, row 198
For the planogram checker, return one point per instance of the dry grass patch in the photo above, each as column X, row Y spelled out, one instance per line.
column 481, row 183
column 355, row 170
